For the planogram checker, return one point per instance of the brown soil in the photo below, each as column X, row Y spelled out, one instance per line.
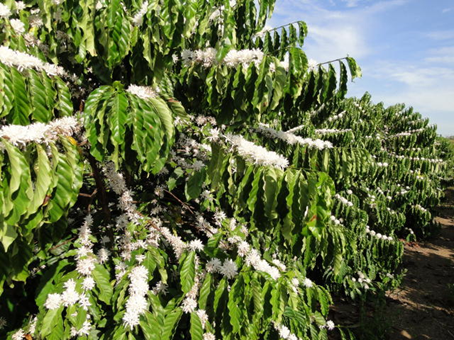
column 423, row 307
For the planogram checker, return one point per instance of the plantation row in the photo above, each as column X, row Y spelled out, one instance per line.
column 170, row 170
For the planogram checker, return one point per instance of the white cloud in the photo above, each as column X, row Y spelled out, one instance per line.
column 351, row 3
column 446, row 10
column 441, row 35
column 421, row 78
column 336, row 41
column 383, row 6
column 334, row 33
column 442, row 55
column 429, row 89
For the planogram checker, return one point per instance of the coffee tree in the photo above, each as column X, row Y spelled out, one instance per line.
column 175, row 170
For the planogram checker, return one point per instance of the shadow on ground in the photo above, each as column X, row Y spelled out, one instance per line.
column 423, row 307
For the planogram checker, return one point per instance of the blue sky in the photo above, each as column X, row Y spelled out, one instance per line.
column 404, row 47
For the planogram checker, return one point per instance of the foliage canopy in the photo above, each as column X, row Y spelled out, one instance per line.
column 172, row 169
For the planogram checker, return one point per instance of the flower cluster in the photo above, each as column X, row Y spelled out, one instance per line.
column 83, row 331
column 144, row 92
column 292, row 139
column 234, row 58
column 307, row 283
column 3, row 323
column 229, row 268
column 116, row 181
column 407, row 133
column 201, row 223
column 18, row 26
column 25, row 61
column 137, row 20
column 336, row 221
column 285, row 333
column 418, row 206
column 378, row 235
column 430, row 160
column 344, row 200
column 328, row 131
column 252, row 258
column 205, row 57
column 160, row 288
column 336, row 117
column 176, row 243
column 19, row 335
column 312, row 64
column 243, row 57
column 192, row 148
column 85, row 258
column 208, row 336
column 118, row 185
column 202, row 120
column 137, row 302
column 256, row 154
column 85, row 265
column 39, row 132
column 67, row 298
column 4, row 11
column 329, row 325
column 362, row 280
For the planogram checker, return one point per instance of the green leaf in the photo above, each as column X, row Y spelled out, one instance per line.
column 171, row 323
column 355, row 70
column 196, row 327
column 20, row 189
column 43, row 173
column 41, row 103
column 236, row 304
column 205, row 291
column 302, row 32
column 64, row 104
column 8, row 234
column 187, row 272
column 102, row 279
column 21, row 109
column 147, row 136
column 194, row 184
column 165, row 115
column 343, row 80
column 94, row 121
column 298, row 316
column 52, row 324
column 150, row 326
column 272, row 185
column 61, row 196
column 117, row 118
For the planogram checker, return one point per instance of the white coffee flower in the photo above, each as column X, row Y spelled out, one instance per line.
column 53, row 301
column 17, row 25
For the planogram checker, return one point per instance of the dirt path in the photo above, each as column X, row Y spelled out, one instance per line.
column 423, row 307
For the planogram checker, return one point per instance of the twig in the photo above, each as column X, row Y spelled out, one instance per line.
column 62, row 244
column 88, row 195
column 182, row 203
column 332, row 61
column 450, row 333
column 100, row 186
column 282, row 26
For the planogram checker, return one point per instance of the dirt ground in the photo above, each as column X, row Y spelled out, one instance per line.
column 423, row 307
